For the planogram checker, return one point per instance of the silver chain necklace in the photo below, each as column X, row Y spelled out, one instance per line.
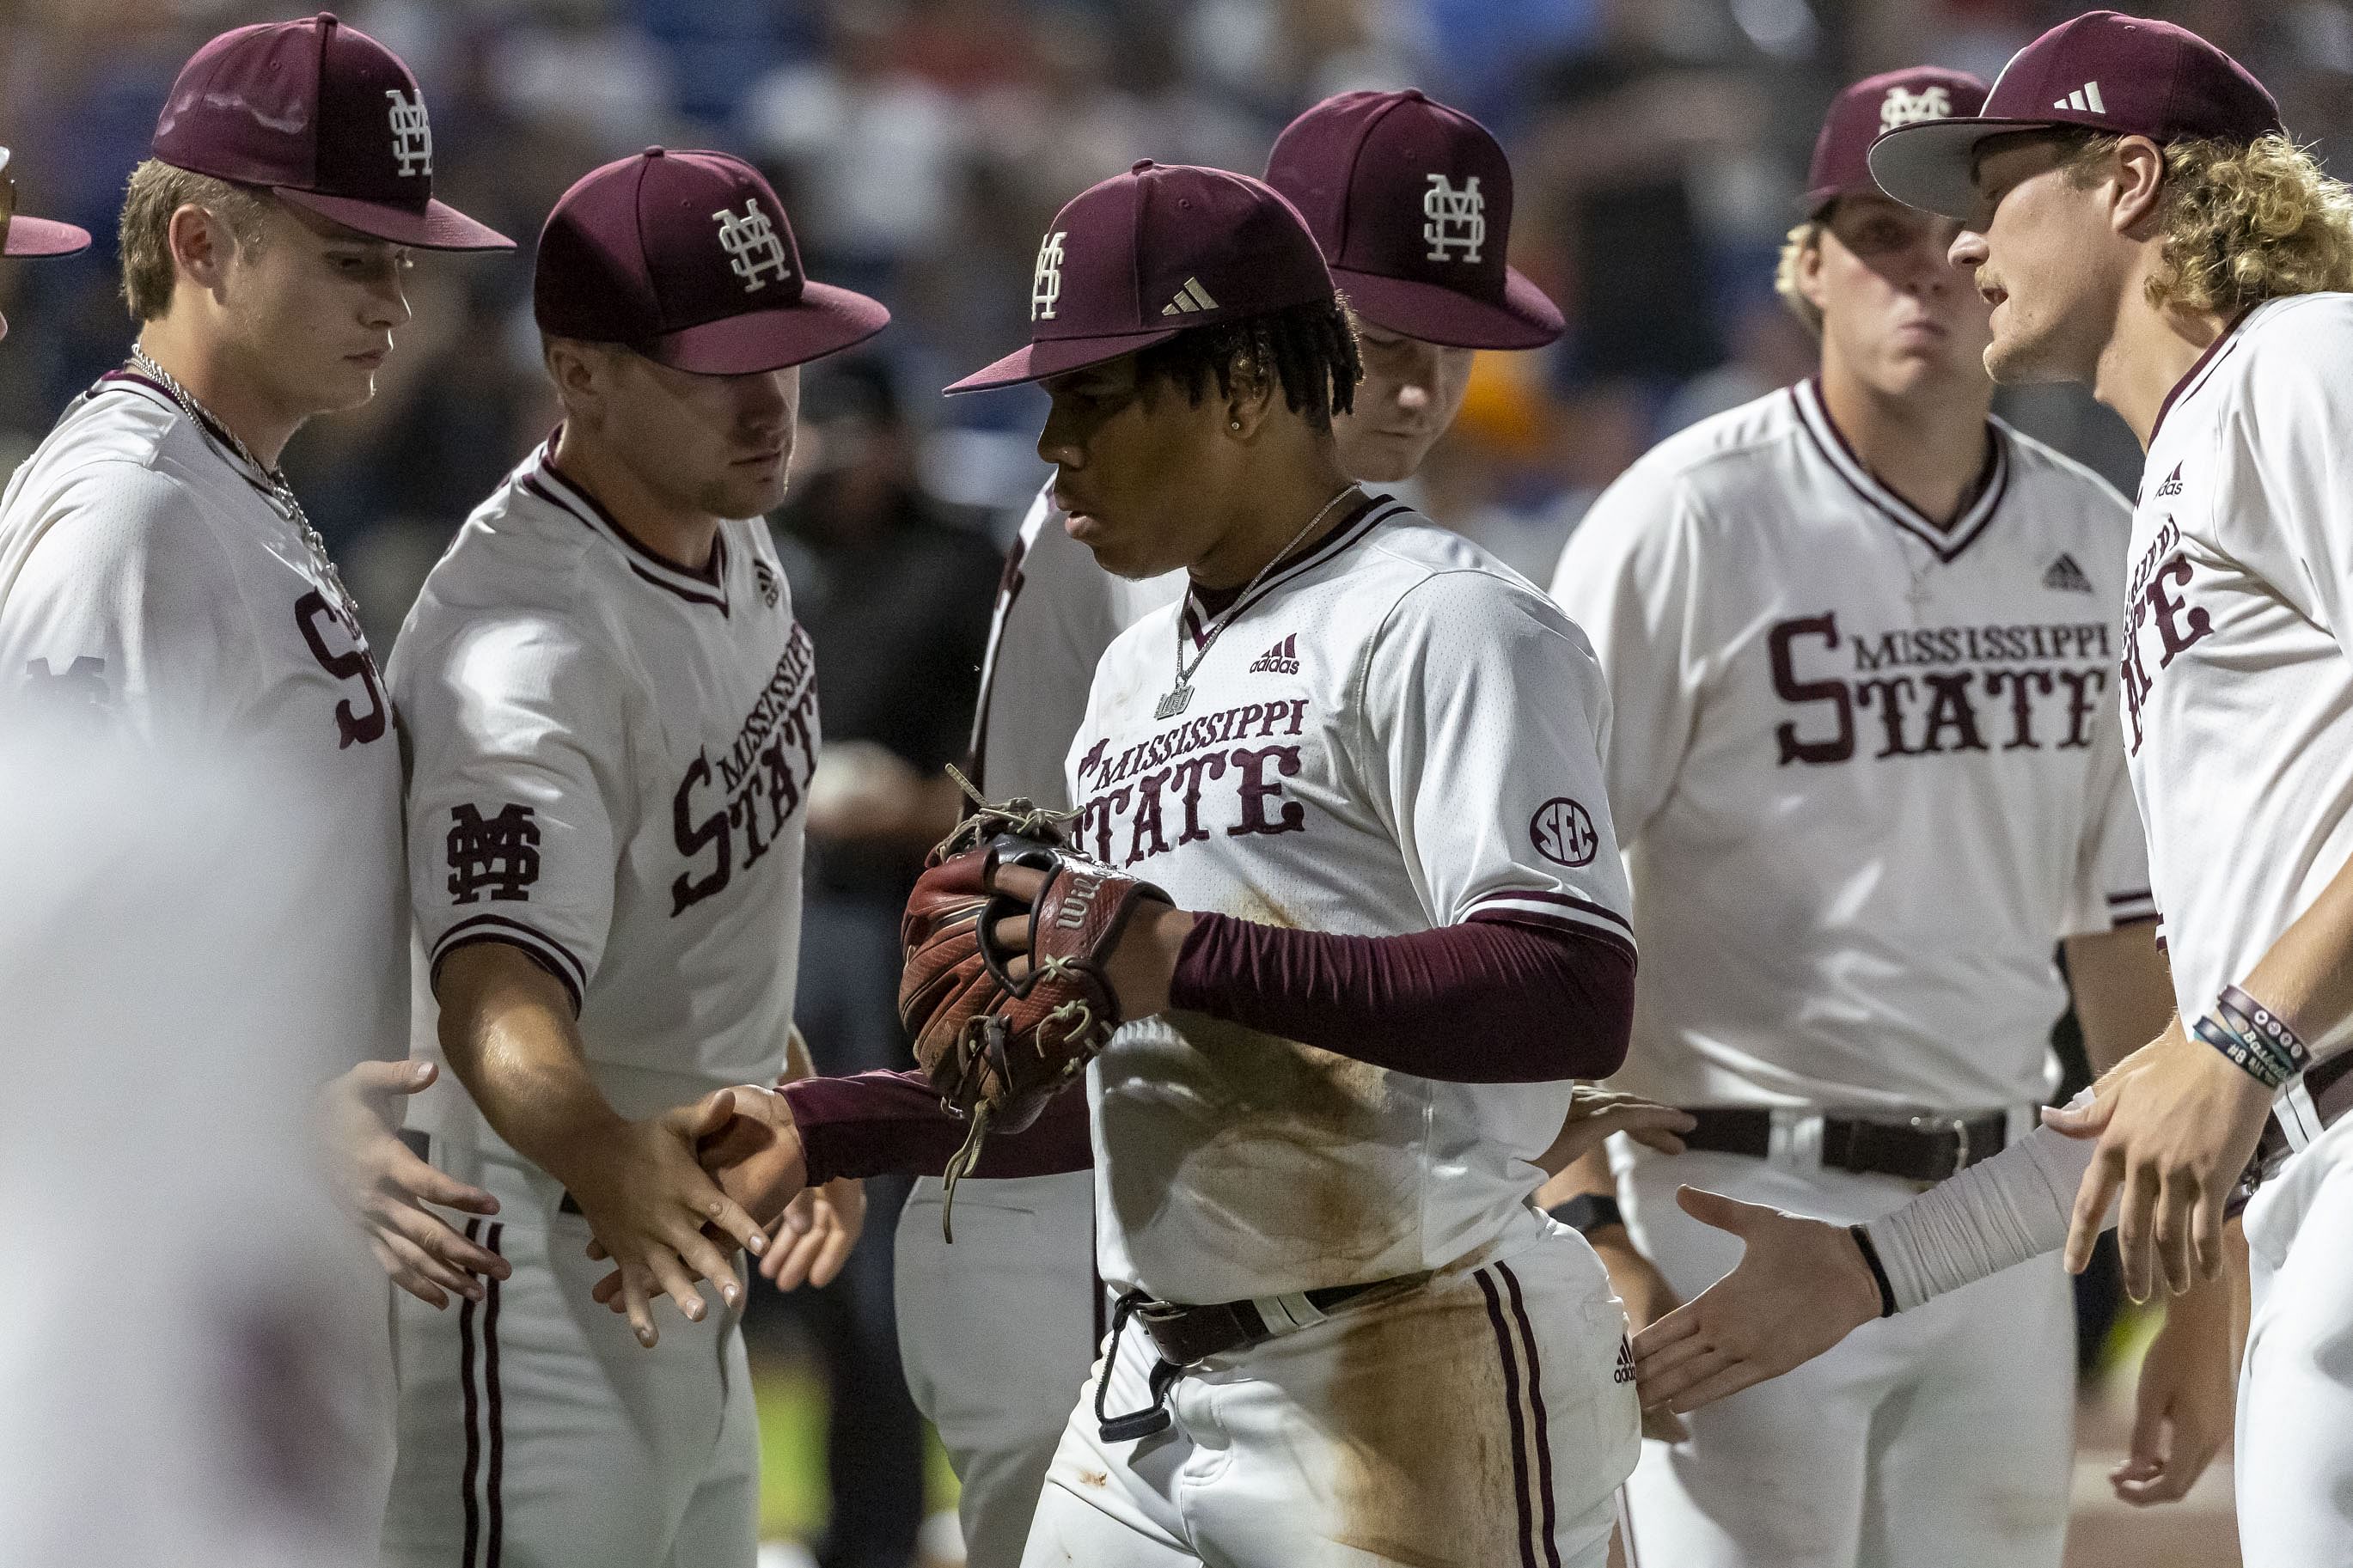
column 1180, row 696
column 281, row 490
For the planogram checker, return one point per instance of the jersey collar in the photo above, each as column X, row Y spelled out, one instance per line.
column 155, row 392
column 1195, row 618
column 542, row 478
column 2200, row 368
column 1814, row 418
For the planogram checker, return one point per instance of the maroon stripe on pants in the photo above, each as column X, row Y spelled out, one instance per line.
column 473, row 1413
column 495, row 1486
column 1536, row 1402
column 1512, row 1402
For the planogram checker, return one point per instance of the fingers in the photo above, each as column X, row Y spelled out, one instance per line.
column 2087, row 1119
column 1723, row 1213
column 840, row 1241
column 801, row 1254
column 2135, row 1231
column 419, row 1182
column 2091, row 1200
column 640, row 1311
column 1657, row 1138
column 596, row 1253
column 1723, row 1383
column 1023, row 882
column 2207, row 1248
column 731, row 1219
column 444, row 1244
column 705, row 1116
column 1672, row 1386
column 700, row 1254
column 2177, row 1200
column 386, row 1079
column 1664, row 1426
column 408, row 1276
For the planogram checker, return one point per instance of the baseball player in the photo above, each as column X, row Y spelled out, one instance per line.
column 1398, row 929
column 24, row 235
column 614, row 714
column 1859, row 642
column 1362, row 169
column 157, row 573
column 2141, row 222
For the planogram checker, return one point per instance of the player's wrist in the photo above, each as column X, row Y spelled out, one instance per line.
column 1143, row 968
column 2252, row 1039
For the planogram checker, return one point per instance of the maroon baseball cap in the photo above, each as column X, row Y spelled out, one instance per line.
column 1141, row 256
column 2123, row 75
column 1411, row 201
column 21, row 236
column 687, row 259
column 1868, row 110
column 322, row 116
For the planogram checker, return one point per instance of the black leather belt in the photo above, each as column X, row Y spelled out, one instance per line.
column 1921, row 1149
column 1188, row 1336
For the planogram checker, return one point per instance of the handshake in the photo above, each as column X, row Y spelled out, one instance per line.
column 671, row 1198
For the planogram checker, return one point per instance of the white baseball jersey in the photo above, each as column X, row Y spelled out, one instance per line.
column 1056, row 610
column 610, row 758
column 2238, row 711
column 150, row 578
column 1865, row 766
column 1392, row 734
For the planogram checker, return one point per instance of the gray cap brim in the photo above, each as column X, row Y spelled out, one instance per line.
column 1928, row 164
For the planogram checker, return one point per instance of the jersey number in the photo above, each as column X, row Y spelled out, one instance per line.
column 309, row 611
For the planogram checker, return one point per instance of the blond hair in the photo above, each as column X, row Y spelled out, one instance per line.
column 157, row 190
column 1794, row 247
column 2239, row 224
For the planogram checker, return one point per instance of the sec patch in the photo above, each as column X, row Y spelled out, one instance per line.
column 1563, row 833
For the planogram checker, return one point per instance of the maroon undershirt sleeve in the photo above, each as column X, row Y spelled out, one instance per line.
column 1484, row 1002
column 879, row 1124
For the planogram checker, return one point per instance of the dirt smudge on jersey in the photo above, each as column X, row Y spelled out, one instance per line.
column 1421, row 1433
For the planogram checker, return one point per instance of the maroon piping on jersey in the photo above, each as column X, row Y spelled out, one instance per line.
column 1491, row 1001
column 2196, row 372
column 1994, row 479
column 1346, row 531
column 892, row 1123
column 714, row 576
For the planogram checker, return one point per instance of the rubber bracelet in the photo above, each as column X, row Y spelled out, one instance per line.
column 2246, row 1055
column 2250, row 1017
column 1878, row 1269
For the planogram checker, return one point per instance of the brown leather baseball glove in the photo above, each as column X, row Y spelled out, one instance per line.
column 1000, row 1033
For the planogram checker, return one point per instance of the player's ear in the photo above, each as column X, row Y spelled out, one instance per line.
column 1807, row 272
column 580, row 373
column 201, row 245
column 1249, row 401
column 2138, row 173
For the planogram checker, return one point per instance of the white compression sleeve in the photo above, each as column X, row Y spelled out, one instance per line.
column 1996, row 1212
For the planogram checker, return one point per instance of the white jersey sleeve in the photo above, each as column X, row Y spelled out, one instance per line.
column 1626, row 577
column 2112, row 885
column 1485, row 713
column 2282, row 465
column 512, row 815
column 121, row 601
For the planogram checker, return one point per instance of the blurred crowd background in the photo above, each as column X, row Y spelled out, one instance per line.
column 921, row 146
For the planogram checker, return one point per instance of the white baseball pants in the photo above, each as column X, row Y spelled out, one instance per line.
column 1483, row 1421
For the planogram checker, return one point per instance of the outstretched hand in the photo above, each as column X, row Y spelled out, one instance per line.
column 1594, row 1113
column 1800, row 1286
column 815, row 1238
column 379, row 1180
column 2176, row 1123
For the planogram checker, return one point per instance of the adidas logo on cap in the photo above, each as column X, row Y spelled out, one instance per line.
column 2085, row 100
column 1190, row 297
column 1282, row 658
column 2067, row 577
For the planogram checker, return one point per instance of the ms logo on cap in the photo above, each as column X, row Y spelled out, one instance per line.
column 1902, row 108
column 1454, row 220
column 753, row 247
column 412, row 135
column 1046, row 282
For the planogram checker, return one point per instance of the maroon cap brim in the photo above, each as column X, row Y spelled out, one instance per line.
column 439, row 227
column 1928, row 165
column 45, row 236
column 826, row 321
column 1057, row 356
column 1435, row 314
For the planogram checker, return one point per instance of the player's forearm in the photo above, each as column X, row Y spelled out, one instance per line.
column 508, row 1032
column 1484, row 1002
column 2123, row 991
column 2306, row 976
column 1587, row 1176
column 884, row 1123
column 1996, row 1212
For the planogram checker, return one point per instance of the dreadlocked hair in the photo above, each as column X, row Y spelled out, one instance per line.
column 1311, row 350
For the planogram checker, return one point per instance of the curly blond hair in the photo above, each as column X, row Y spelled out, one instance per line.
column 2240, row 224
column 1794, row 246
column 157, row 190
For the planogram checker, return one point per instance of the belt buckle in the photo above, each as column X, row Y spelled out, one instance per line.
column 1959, row 1127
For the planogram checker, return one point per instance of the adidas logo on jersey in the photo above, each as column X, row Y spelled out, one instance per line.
column 1282, row 658
column 2085, row 100
column 2172, row 485
column 1189, row 299
column 1625, row 1372
column 2067, row 577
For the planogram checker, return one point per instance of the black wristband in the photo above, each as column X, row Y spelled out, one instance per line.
column 1587, row 1212
column 1878, row 1269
